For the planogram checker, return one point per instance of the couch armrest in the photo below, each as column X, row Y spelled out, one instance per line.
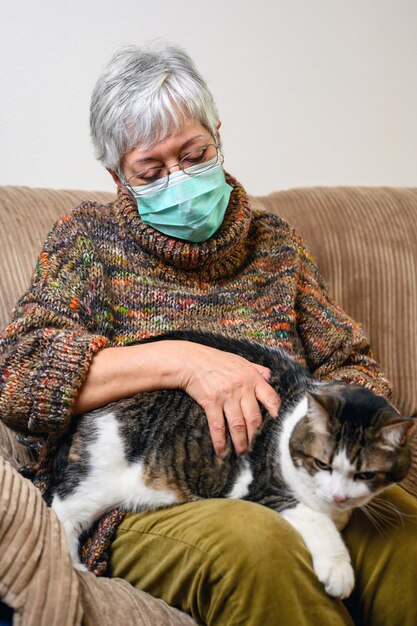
column 37, row 578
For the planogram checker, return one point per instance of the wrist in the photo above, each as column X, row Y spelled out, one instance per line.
column 170, row 361
column 159, row 364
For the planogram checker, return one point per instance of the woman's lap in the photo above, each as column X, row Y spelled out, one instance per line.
column 234, row 562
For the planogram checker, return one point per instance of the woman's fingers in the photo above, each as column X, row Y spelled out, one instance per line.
column 229, row 388
column 265, row 372
column 243, row 417
column 268, row 397
column 238, row 426
column 252, row 417
column 217, row 426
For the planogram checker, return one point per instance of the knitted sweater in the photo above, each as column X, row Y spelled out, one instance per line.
column 104, row 278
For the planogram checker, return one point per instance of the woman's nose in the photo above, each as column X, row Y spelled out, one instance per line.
column 172, row 168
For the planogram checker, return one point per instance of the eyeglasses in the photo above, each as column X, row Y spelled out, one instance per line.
column 193, row 163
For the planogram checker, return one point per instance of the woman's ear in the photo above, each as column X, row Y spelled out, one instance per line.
column 116, row 179
column 218, row 131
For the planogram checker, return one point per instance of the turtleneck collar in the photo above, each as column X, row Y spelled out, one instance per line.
column 219, row 256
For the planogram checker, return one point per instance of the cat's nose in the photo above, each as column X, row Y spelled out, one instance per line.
column 338, row 498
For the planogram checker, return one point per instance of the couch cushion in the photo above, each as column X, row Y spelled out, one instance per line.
column 37, row 578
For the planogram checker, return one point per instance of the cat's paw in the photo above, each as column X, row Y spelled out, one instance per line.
column 336, row 575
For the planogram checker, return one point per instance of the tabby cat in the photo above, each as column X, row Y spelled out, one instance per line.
column 332, row 448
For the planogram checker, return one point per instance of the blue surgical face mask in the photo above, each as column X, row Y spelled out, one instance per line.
column 190, row 207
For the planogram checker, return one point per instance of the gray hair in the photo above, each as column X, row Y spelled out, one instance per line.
column 144, row 95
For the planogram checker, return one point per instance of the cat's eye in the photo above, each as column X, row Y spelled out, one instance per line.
column 365, row 475
column 321, row 465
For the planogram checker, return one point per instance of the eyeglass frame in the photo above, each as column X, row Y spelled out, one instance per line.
column 219, row 155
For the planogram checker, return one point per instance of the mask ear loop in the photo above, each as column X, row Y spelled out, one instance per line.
column 127, row 187
column 218, row 148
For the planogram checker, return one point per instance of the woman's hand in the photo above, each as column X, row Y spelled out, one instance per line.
column 227, row 387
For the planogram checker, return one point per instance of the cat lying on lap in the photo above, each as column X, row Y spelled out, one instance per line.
column 333, row 448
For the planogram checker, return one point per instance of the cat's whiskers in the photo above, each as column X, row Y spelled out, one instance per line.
column 382, row 506
column 373, row 518
column 384, row 514
column 321, row 494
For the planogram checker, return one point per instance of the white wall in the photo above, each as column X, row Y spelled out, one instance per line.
column 310, row 92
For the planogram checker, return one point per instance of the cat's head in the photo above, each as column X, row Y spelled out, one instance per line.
column 350, row 445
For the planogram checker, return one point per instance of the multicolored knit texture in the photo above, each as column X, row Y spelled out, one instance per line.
column 104, row 278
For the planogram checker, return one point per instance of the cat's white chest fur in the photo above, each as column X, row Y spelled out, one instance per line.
column 315, row 520
column 290, row 473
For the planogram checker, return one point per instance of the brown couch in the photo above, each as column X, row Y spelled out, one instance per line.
column 364, row 240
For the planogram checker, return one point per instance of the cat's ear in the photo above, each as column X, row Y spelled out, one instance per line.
column 317, row 413
column 398, row 430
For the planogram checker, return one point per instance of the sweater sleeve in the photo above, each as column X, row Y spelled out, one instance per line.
column 336, row 347
column 55, row 330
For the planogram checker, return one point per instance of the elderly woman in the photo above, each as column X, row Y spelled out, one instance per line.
column 181, row 248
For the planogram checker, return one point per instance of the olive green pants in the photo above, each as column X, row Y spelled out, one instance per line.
column 230, row 562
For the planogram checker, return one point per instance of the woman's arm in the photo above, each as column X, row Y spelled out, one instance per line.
column 54, row 333
column 336, row 347
column 224, row 384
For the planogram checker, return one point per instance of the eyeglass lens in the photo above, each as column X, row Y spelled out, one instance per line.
column 187, row 163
